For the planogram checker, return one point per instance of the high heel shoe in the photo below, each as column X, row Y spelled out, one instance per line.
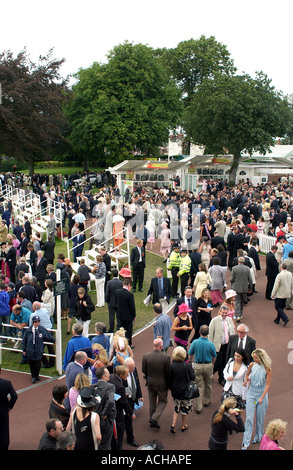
column 184, row 427
column 172, row 430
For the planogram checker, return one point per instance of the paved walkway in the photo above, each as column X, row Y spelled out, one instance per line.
column 28, row 418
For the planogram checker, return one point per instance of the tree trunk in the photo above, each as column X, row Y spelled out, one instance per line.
column 234, row 168
column 86, row 164
column 31, row 166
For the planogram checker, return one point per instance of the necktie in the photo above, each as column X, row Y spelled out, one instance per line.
column 34, row 335
column 226, row 334
column 133, row 387
column 241, row 343
column 160, row 289
column 189, row 302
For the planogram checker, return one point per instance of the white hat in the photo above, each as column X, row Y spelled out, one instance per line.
column 230, row 293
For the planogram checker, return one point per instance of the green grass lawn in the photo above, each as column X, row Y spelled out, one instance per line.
column 11, row 359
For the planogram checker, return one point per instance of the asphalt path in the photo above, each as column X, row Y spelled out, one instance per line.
column 29, row 416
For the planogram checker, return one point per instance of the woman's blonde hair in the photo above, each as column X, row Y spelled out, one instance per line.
column 179, row 354
column 226, row 405
column 274, row 427
column 120, row 343
column 263, row 357
column 81, row 380
column 102, row 354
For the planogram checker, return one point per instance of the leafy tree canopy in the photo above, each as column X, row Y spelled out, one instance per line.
column 237, row 113
column 31, row 114
column 122, row 107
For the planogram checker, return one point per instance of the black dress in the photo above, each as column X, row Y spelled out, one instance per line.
column 204, row 318
column 181, row 336
column 83, row 433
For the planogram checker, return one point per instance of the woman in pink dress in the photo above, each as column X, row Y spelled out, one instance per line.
column 230, row 301
column 165, row 247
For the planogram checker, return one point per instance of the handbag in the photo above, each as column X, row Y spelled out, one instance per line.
column 191, row 391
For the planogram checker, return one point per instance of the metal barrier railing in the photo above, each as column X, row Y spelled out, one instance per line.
column 19, row 338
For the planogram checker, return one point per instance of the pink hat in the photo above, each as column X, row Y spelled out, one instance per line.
column 125, row 272
column 183, row 308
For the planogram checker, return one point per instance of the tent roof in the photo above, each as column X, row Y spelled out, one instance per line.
column 279, row 154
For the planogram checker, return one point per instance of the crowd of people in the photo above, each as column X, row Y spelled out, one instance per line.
column 210, row 244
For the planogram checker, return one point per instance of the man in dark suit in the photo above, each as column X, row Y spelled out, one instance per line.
column 32, row 257
column 28, row 289
column 272, row 270
column 8, row 397
column 27, row 227
column 195, row 262
column 78, row 244
column 137, row 261
column 48, row 249
column 75, row 367
column 106, row 408
column 18, row 230
column 122, row 405
column 253, row 253
column 126, row 311
column 134, row 396
column 191, row 301
column 11, row 260
column 160, row 289
column 241, row 340
column 40, row 271
column 155, row 368
column 217, row 240
column 111, row 288
column 107, row 261
column 23, row 245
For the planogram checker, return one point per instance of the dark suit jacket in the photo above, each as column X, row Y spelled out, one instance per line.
column 122, row 404
column 40, row 269
column 125, row 304
column 195, row 261
column 107, row 406
column 111, row 288
column 30, row 292
column 48, row 248
column 138, row 388
column 233, row 344
column 6, row 404
column 23, row 247
column 272, row 265
column 216, row 240
column 154, row 289
column 72, row 370
column 134, row 256
column 32, row 258
column 155, row 368
column 252, row 253
column 76, row 242
column 11, row 256
column 28, row 229
column 17, row 231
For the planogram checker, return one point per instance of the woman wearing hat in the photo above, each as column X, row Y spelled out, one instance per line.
column 84, row 422
column 125, row 273
column 182, row 326
column 230, row 301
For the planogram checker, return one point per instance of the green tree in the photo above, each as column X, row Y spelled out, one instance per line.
column 123, row 107
column 237, row 114
column 31, row 117
column 192, row 61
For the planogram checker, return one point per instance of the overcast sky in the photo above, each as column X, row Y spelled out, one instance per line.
column 257, row 33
